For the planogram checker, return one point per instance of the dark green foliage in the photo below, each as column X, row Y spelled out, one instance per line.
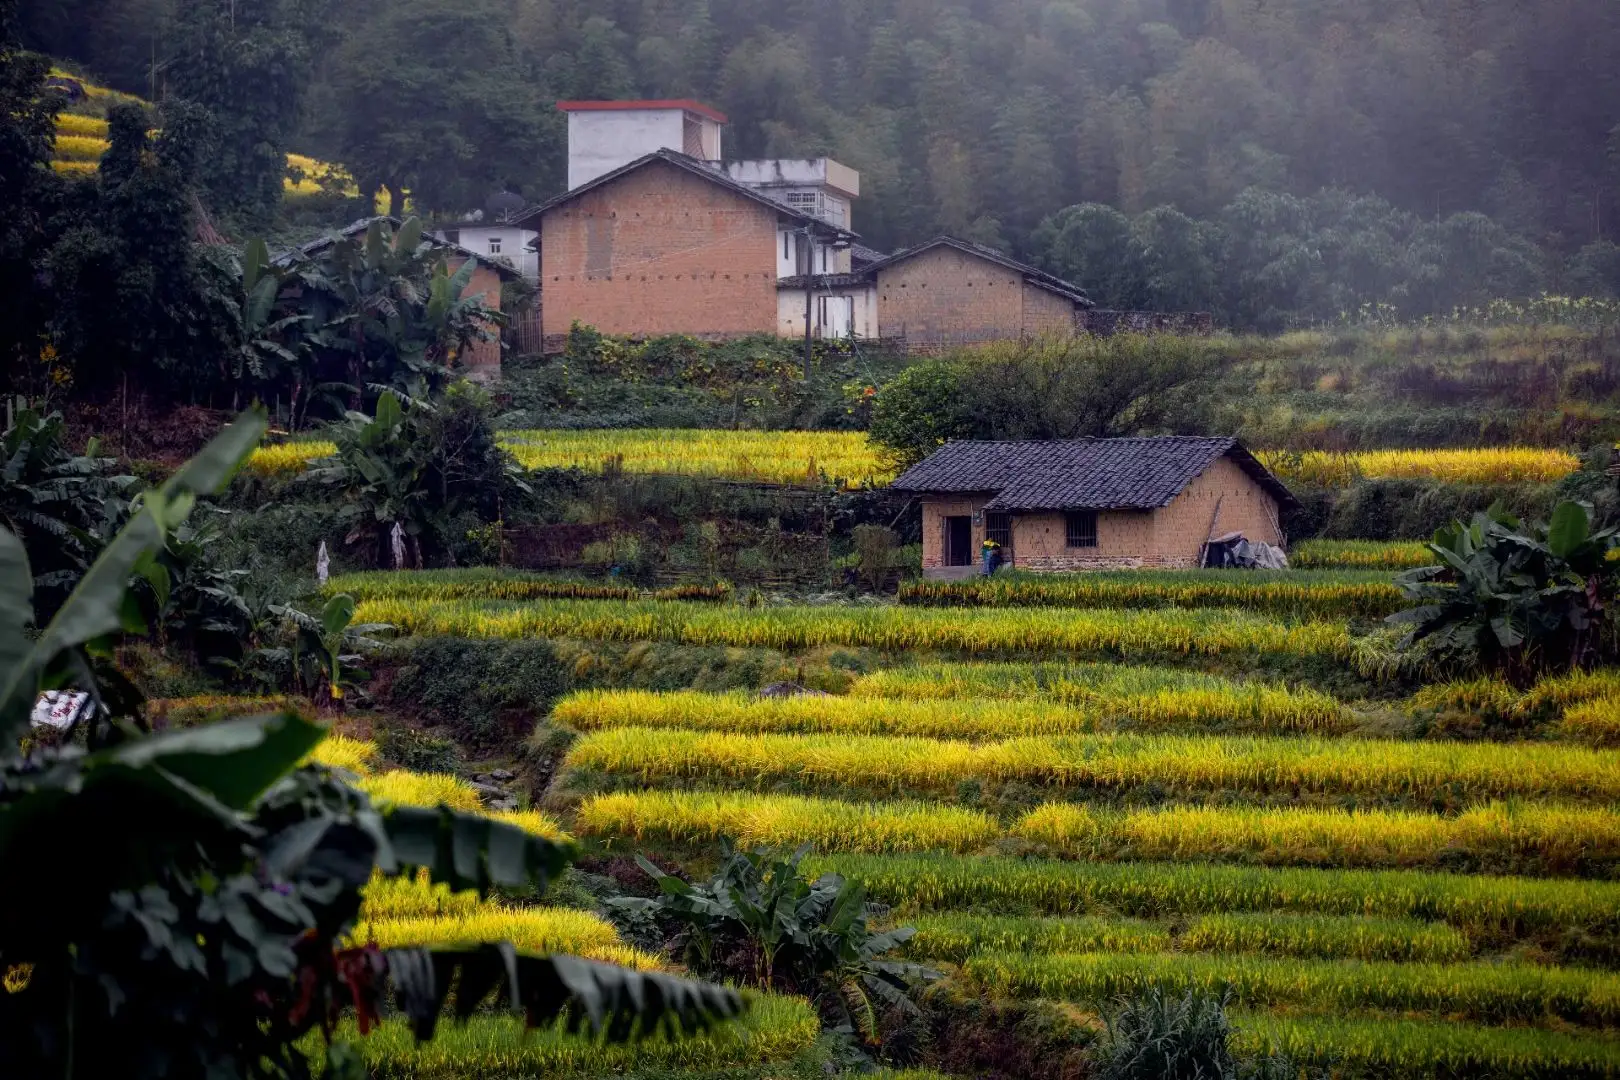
column 677, row 381
column 1160, row 1036
column 62, row 506
column 806, row 936
column 1059, row 388
column 248, row 63
column 480, row 690
column 200, row 927
column 433, row 471
column 1516, row 599
column 28, row 192
column 381, row 309
column 397, row 123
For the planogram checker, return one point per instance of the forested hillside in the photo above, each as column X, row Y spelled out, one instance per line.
column 1318, row 154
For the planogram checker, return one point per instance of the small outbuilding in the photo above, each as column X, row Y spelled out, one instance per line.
column 1092, row 504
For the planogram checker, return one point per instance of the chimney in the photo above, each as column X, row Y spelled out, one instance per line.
column 607, row 135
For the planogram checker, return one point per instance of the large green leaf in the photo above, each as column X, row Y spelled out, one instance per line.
column 16, row 601
column 620, row 1004
column 337, row 614
column 235, row 761
column 255, row 261
column 467, row 851
column 97, row 606
column 1569, row 528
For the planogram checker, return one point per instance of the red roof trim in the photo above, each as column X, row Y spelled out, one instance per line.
column 621, row 106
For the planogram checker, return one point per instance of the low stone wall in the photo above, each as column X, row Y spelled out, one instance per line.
column 1063, row 563
column 1107, row 323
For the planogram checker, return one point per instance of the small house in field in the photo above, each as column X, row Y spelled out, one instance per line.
column 1091, row 504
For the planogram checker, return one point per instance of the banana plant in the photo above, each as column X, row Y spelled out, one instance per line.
column 1515, row 598
column 262, row 354
column 180, row 905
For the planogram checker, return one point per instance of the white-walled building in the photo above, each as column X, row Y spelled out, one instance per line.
column 608, row 135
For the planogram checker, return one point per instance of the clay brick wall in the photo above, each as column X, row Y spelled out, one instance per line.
column 934, row 513
column 1125, row 540
column 946, row 295
column 1045, row 312
column 660, row 251
column 482, row 359
column 1224, row 497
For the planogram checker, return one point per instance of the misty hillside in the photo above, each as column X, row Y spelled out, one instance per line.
column 982, row 117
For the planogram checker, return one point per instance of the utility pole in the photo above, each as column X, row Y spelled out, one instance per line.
column 809, row 272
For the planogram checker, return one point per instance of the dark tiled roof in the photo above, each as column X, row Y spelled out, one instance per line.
column 697, row 168
column 1081, row 474
column 862, row 256
column 1034, row 276
column 287, row 258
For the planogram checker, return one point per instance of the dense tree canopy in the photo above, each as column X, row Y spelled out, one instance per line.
column 1273, row 162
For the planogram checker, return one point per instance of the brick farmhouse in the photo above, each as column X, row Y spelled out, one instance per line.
column 667, row 244
column 1091, row 504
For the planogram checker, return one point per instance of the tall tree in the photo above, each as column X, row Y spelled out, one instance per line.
column 434, row 102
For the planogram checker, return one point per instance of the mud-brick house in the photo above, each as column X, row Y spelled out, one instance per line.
column 1091, row 504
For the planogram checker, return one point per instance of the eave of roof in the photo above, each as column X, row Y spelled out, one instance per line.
column 825, row 281
column 685, row 104
column 1034, row 275
column 1032, row 475
column 696, row 168
column 287, row 258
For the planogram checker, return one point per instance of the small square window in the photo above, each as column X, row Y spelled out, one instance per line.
column 1082, row 528
column 998, row 527
column 494, row 245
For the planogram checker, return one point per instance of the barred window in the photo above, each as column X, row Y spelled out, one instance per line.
column 998, row 527
column 1082, row 528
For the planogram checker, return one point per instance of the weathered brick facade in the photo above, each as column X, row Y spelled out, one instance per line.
column 1223, row 499
column 946, row 295
column 659, row 251
column 482, row 359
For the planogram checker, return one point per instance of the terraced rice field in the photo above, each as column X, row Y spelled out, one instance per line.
column 1072, row 800
column 797, row 458
column 412, row 912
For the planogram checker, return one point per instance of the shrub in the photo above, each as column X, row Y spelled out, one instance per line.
column 1163, row 1036
column 480, row 689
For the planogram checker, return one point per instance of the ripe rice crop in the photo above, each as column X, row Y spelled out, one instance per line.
column 80, row 147
column 845, row 458
column 982, row 632
column 530, row 930
column 1425, row 772
column 74, row 124
column 1551, row 697
column 1326, row 937
column 1151, row 698
column 1336, row 594
column 954, row 936
column 415, row 897
column 287, row 459
column 1359, row 555
column 774, row 1028
column 421, row 789
column 784, row 821
column 494, row 583
column 1489, row 465
column 1553, row 839
column 341, row 752
column 1494, row 907
column 1482, row 991
column 1428, row 1048
column 73, row 168
column 1595, row 722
